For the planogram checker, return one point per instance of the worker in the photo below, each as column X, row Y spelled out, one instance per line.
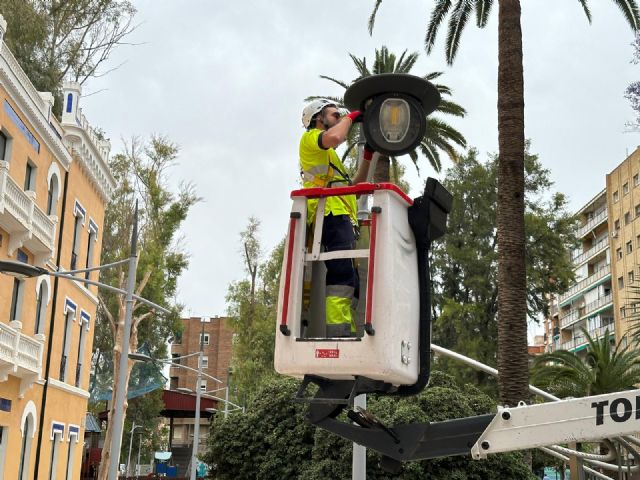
column 320, row 166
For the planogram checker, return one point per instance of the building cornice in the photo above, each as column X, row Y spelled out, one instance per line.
column 31, row 104
column 68, row 388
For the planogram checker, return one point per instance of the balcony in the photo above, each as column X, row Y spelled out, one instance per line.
column 590, row 281
column 25, row 222
column 601, row 246
column 581, row 340
column 20, row 356
column 578, row 314
column 599, row 217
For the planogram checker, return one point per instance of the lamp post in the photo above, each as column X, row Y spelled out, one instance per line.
column 133, row 428
column 24, row 270
column 198, row 391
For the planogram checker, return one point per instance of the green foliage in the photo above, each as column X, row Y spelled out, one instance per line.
column 140, row 175
column 439, row 136
column 273, row 440
column 54, row 40
column 465, row 261
column 605, row 369
column 252, row 305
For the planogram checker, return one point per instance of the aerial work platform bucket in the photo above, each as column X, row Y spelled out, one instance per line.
column 385, row 346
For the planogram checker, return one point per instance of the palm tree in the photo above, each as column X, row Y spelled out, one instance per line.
column 439, row 136
column 512, row 310
column 605, row 369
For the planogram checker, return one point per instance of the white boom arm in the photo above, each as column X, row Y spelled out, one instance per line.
column 575, row 420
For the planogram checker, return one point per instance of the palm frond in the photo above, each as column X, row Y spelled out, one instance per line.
column 438, row 129
column 432, row 155
column 372, row 17
column 361, row 65
column 483, row 8
column 585, row 7
column 432, row 75
column 629, row 10
column 407, row 65
column 437, row 16
column 457, row 22
column 451, row 108
column 443, row 89
column 339, row 82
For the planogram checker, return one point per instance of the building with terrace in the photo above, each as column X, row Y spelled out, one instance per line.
column 606, row 293
column 54, row 185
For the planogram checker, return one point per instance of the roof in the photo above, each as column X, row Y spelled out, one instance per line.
column 91, row 424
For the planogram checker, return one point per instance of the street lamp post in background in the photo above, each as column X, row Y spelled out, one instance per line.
column 133, row 429
column 24, row 270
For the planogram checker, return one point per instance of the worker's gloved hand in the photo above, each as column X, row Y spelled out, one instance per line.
column 368, row 152
column 355, row 116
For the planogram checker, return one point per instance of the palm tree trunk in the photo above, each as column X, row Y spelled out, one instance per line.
column 383, row 169
column 512, row 309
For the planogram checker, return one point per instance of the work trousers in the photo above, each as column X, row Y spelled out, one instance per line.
column 342, row 278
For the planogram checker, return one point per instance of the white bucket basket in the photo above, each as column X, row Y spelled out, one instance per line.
column 386, row 345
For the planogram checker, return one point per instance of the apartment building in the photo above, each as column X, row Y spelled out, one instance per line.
column 606, row 262
column 216, row 338
column 54, row 185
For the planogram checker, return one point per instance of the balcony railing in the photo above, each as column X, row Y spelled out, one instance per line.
column 577, row 314
column 582, row 340
column 586, row 283
column 25, row 222
column 597, row 248
column 20, row 356
column 599, row 217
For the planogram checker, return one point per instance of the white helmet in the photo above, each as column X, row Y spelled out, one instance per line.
column 314, row 107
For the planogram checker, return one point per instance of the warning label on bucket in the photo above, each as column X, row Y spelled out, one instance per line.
column 327, row 353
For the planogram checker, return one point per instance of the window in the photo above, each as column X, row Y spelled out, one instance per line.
column 619, row 253
column 638, row 241
column 25, row 449
column 16, row 299
column 30, row 176
column 636, row 180
column 622, row 312
column 52, row 195
column 205, row 362
column 77, row 231
column 3, row 146
column 70, row 455
column 41, row 306
column 84, row 326
column 204, row 339
column 203, row 385
column 620, row 282
column 629, row 247
column 66, row 341
column 173, row 383
column 625, row 188
column 627, row 218
column 93, row 233
column 615, row 196
column 616, row 225
column 638, row 210
column 175, row 358
column 177, row 340
column 57, row 438
column 630, row 277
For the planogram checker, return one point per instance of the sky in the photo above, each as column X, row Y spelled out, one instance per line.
column 226, row 81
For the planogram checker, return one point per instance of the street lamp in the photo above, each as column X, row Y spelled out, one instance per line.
column 23, row 270
column 196, row 428
column 133, row 429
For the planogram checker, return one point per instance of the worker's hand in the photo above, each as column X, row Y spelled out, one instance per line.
column 368, row 152
column 355, row 116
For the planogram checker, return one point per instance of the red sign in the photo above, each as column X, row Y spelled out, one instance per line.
column 327, row 353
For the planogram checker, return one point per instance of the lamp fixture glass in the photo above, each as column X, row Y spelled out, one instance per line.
column 395, row 118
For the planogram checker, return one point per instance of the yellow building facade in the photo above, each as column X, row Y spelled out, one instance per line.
column 54, row 186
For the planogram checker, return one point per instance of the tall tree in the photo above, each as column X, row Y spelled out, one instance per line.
column 632, row 92
column 141, row 175
column 439, row 135
column 57, row 39
column 512, row 310
column 252, row 308
column 465, row 261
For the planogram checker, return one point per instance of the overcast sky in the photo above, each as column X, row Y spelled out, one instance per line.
column 226, row 81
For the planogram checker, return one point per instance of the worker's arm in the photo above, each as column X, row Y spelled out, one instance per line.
column 363, row 168
column 337, row 134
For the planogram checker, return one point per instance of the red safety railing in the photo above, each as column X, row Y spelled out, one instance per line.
column 359, row 189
